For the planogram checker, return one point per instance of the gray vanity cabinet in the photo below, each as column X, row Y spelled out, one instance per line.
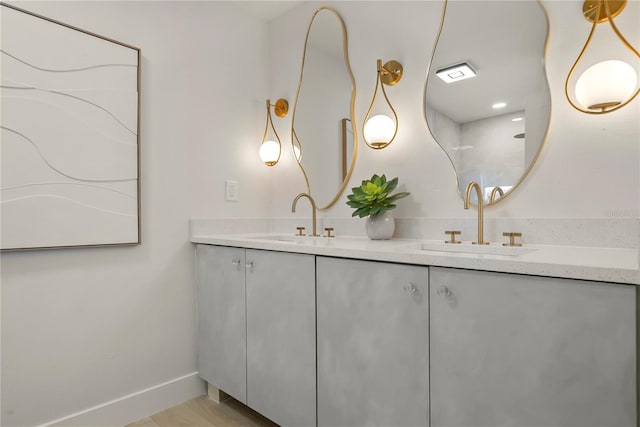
column 281, row 337
column 256, row 329
column 222, row 350
column 373, row 343
column 511, row 350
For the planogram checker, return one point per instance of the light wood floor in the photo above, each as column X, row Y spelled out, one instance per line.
column 204, row 412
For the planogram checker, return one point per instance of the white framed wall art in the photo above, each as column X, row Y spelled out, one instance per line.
column 69, row 141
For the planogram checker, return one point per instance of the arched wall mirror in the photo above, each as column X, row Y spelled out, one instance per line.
column 325, row 98
column 491, row 125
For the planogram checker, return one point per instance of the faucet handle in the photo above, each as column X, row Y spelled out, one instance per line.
column 300, row 231
column 512, row 239
column 453, row 234
column 329, row 231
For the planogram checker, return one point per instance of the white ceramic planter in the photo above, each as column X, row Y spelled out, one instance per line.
column 380, row 227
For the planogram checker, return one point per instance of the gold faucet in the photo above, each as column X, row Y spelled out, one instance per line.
column 467, row 198
column 313, row 210
column 494, row 192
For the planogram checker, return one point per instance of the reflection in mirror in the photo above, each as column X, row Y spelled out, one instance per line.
column 347, row 145
column 491, row 125
column 326, row 95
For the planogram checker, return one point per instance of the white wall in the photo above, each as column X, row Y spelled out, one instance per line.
column 589, row 167
column 81, row 327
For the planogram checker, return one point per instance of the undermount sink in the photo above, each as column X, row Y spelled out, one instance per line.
column 288, row 238
column 278, row 238
column 492, row 249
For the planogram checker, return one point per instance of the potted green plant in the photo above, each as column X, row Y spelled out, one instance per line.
column 373, row 200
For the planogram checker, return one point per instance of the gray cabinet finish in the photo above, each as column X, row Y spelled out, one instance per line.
column 256, row 329
column 281, row 336
column 509, row 350
column 221, row 319
column 401, row 345
column 373, row 343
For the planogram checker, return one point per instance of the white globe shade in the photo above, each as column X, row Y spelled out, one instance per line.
column 609, row 81
column 269, row 152
column 379, row 129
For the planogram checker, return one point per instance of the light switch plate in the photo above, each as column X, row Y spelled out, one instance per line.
column 231, row 190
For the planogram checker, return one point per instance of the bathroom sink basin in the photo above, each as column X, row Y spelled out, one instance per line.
column 288, row 238
column 280, row 238
column 468, row 248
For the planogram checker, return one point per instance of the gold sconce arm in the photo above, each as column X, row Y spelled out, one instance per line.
column 379, row 130
column 600, row 11
column 271, row 149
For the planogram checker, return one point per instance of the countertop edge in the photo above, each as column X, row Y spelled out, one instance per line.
column 399, row 251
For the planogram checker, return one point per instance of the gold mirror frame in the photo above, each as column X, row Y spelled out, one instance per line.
column 345, row 49
column 491, row 202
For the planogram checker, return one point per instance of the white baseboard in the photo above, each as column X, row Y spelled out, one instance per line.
column 136, row 406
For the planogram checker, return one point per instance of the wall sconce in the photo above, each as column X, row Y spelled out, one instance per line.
column 271, row 148
column 380, row 130
column 608, row 85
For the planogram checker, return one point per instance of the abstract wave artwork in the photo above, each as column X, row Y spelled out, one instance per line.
column 69, row 139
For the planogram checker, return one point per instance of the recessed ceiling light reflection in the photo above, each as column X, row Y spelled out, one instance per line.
column 499, row 105
column 462, row 148
column 517, row 119
column 455, row 73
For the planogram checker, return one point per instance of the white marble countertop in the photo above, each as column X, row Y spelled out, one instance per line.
column 576, row 262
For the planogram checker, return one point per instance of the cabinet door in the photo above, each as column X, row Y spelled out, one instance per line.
column 221, row 319
column 281, row 338
column 373, row 343
column 511, row 350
